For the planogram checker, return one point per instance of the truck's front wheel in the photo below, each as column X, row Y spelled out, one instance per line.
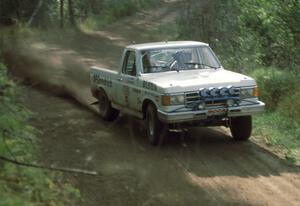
column 107, row 112
column 155, row 128
column 241, row 127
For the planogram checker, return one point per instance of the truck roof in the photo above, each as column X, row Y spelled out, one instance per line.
column 166, row 44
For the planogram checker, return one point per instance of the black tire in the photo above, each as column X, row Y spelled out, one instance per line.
column 156, row 130
column 241, row 127
column 106, row 111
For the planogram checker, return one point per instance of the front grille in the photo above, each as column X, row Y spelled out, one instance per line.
column 192, row 99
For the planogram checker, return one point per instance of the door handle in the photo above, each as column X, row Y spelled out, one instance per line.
column 119, row 79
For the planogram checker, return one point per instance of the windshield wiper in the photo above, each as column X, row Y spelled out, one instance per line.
column 201, row 64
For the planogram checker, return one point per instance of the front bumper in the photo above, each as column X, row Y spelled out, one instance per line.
column 189, row 116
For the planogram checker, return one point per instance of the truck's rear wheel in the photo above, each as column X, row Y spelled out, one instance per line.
column 156, row 130
column 107, row 112
column 241, row 127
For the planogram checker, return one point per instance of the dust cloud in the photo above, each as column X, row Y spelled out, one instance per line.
column 61, row 72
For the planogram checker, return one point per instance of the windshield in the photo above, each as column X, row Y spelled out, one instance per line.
column 163, row 60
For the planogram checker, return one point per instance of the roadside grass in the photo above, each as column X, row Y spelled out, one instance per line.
column 24, row 185
column 280, row 132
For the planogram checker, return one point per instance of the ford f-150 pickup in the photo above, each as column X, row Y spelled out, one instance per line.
column 176, row 84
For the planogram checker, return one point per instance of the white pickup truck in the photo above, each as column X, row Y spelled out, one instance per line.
column 176, row 84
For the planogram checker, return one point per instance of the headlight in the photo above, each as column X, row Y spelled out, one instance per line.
column 249, row 92
column 167, row 100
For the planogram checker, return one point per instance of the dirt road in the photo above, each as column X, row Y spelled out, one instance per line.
column 206, row 168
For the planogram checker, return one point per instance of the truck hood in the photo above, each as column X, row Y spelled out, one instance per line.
column 191, row 80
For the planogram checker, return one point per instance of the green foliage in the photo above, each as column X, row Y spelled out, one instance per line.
column 246, row 33
column 13, row 127
column 27, row 186
column 274, row 24
column 117, row 9
column 275, row 85
column 21, row 11
column 19, row 185
column 289, row 107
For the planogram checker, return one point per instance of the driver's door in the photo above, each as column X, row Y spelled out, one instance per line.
column 127, row 79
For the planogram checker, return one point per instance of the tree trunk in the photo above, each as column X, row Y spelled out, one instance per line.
column 61, row 13
column 71, row 13
column 36, row 10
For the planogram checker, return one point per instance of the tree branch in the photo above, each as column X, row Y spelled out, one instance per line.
column 52, row 168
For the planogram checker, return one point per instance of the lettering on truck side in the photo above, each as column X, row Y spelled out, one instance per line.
column 98, row 79
column 150, row 86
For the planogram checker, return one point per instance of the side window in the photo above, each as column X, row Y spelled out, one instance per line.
column 129, row 66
